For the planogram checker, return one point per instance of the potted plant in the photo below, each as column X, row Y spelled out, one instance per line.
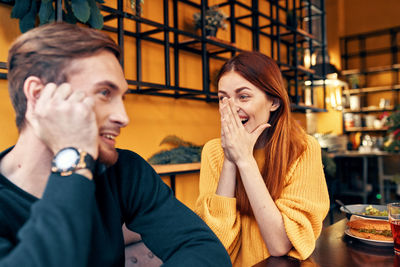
column 136, row 5
column 213, row 20
column 85, row 11
column 182, row 152
column 392, row 143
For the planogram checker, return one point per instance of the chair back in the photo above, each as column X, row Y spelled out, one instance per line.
column 388, row 168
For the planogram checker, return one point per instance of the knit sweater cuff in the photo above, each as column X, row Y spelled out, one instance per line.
column 222, row 206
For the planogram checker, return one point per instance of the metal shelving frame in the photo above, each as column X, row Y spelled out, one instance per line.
column 293, row 39
column 362, row 53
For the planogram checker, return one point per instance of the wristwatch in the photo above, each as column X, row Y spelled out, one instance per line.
column 70, row 159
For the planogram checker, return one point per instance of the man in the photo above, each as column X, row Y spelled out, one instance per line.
column 65, row 191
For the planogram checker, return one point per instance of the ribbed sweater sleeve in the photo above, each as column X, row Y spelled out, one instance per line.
column 58, row 231
column 304, row 201
column 217, row 211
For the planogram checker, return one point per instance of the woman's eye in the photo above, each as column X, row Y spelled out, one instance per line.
column 221, row 97
column 243, row 97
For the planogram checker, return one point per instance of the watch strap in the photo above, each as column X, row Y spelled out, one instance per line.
column 85, row 161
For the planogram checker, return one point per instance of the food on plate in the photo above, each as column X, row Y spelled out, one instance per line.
column 371, row 229
column 369, row 210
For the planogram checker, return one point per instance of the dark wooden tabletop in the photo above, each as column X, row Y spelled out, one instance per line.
column 335, row 249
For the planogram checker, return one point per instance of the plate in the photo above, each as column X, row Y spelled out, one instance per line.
column 370, row 241
column 365, row 240
column 359, row 208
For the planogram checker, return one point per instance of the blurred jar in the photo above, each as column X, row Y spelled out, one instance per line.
column 357, row 120
column 354, row 102
column 369, row 121
column 348, row 121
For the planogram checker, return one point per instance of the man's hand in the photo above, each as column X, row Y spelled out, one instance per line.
column 237, row 143
column 63, row 118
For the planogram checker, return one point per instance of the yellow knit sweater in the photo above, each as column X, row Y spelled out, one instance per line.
column 303, row 204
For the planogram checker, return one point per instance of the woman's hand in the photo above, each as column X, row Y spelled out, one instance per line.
column 237, row 143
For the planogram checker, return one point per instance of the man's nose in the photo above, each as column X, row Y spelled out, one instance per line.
column 119, row 115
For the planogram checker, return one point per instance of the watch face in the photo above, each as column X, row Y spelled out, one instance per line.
column 66, row 158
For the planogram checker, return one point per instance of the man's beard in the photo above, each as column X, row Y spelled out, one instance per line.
column 108, row 156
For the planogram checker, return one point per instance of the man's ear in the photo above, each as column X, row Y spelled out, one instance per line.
column 32, row 89
column 276, row 103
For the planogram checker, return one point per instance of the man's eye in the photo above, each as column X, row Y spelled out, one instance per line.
column 105, row 92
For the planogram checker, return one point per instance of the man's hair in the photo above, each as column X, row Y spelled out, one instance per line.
column 46, row 52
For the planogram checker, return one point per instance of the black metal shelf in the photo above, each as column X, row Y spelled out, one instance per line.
column 372, row 70
column 292, row 37
column 369, row 90
column 3, row 65
column 369, row 110
column 362, row 51
column 303, row 108
column 365, row 129
column 286, row 41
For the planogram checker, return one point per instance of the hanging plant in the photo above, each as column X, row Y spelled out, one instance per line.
column 392, row 142
column 33, row 12
column 213, row 20
column 136, row 5
column 183, row 152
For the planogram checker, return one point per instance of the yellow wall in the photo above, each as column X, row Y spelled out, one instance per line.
column 368, row 15
column 346, row 17
column 152, row 118
column 8, row 32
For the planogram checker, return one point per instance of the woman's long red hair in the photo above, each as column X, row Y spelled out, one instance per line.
column 285, row 138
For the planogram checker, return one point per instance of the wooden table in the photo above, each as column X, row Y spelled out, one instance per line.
column 172, row 170
column 335, row 249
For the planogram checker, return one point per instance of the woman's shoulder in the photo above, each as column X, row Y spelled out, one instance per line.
column 213, row 147
column 216, row 142
column 213, row 144
column 312, row 143
column 310, row 154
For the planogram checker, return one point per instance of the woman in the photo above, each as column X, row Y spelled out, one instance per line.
column 262, row 186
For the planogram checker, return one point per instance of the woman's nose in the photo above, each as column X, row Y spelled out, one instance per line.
column 236, row 104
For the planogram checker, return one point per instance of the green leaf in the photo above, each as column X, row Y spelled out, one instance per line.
column 21, row 9
column 81, row 10
column 96, row 18
column 28, row 21
column 176, row 141
column 45, row 12
column 177, row 155
column 69, row 15
column 52, row 17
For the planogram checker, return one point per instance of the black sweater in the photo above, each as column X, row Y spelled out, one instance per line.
column 77, row 222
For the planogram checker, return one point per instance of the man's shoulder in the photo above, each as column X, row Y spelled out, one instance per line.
column 129, row 155
column 130, row 160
